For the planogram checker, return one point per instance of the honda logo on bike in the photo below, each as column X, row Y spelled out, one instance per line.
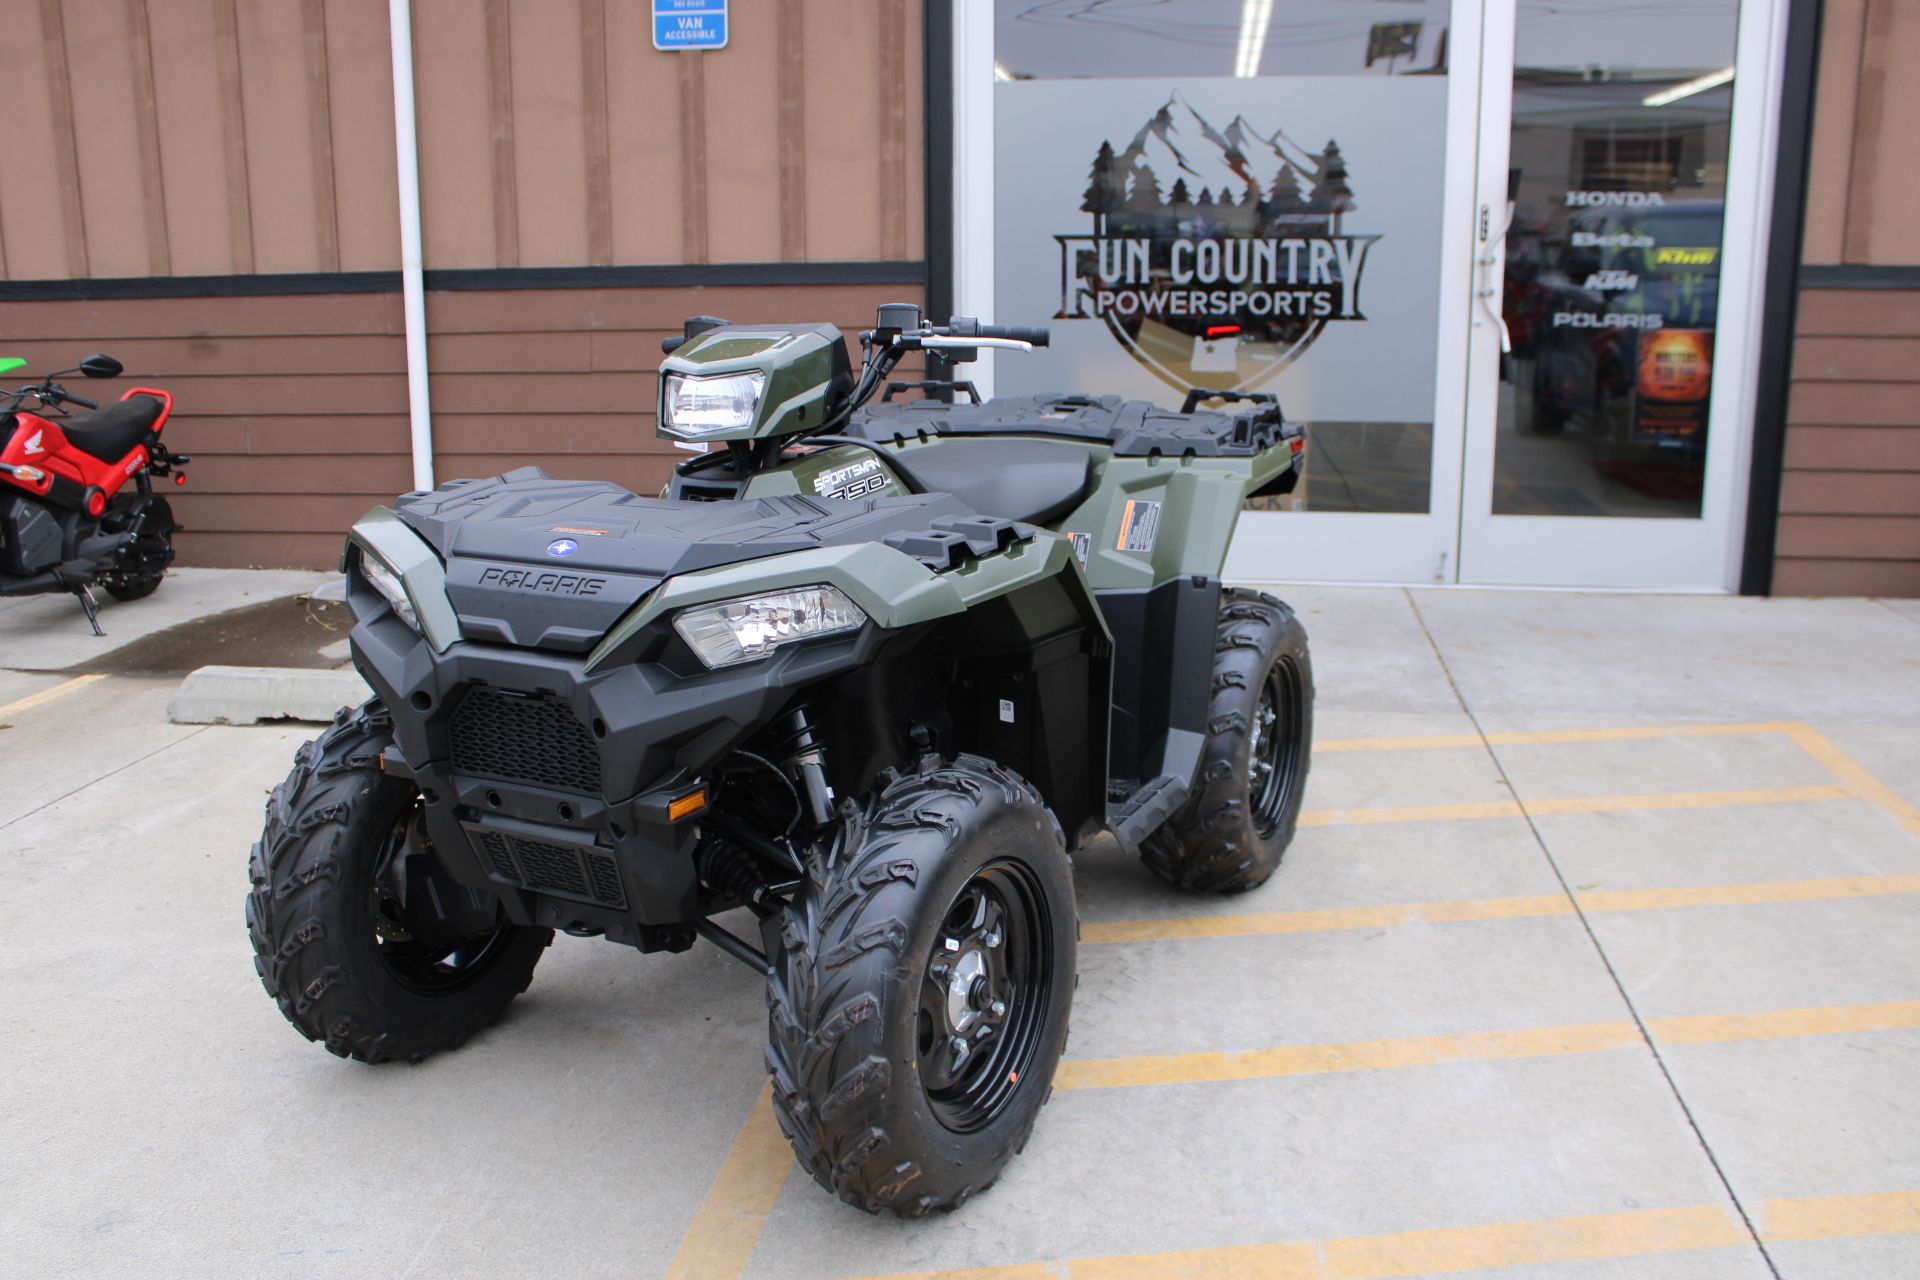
column 33, row 443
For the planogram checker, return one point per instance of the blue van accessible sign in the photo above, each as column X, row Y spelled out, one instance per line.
column 689, row 24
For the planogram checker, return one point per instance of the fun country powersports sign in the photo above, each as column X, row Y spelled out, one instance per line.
column 1276, row 234
column 1211, row 245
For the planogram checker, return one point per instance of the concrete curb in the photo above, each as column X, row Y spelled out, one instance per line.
column 249, row 695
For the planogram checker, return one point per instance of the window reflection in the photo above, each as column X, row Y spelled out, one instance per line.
column 1118, row 39
column 1618, row 187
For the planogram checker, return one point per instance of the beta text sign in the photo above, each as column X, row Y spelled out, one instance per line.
column 689, row 24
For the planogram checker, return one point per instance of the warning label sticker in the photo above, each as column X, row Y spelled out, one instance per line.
column 1081, row 545
column 1139, row 525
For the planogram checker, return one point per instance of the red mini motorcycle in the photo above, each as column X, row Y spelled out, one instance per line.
column 69, row 520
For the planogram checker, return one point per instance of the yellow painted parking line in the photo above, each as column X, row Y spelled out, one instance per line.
column 1890, row 1213
column 1734, row 895
column 1785, row 1024
column 1478, row 1046
column 45, row 696
column 728, row 1225
column 1574, row 804
column 1636, row 1233
column 1330, row 1059
column 1855, row 776
column 1337, row 919
column 1628, row 733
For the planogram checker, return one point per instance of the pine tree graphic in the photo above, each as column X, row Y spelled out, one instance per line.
column 1103, row 193
column 1331, row 195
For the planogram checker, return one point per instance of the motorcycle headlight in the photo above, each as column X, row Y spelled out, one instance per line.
column 384, row 580
column 704, row 404
column 730, row 631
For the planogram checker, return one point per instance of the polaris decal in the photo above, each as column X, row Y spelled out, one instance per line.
column 562, row 547
column 557, row 584
column 853, row 480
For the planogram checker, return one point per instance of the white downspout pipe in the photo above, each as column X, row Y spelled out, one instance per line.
column 406, row 148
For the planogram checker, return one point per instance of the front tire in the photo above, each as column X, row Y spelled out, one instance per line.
column 920, row 987
column 1231, row 834
column 349, row 964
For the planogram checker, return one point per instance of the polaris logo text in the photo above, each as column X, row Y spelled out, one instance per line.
column 558, row 584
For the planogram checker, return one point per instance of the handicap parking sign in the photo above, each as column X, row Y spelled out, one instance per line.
column 689, row 24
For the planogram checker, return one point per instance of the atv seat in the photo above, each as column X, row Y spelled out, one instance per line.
column 109, row 434
column 1033, row 481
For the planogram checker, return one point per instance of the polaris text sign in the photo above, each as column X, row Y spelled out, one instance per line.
column 680, row 25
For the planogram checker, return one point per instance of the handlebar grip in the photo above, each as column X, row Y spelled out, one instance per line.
column 1036, row 335
column 82, row 401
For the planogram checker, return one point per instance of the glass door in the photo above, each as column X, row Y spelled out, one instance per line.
column 1617, row 249
column 1249, row 196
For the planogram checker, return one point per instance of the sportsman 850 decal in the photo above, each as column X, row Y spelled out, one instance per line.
column 853, row 480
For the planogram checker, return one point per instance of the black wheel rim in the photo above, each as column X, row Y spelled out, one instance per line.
column 984, row 996
column 428, row 967
column 1275, row 745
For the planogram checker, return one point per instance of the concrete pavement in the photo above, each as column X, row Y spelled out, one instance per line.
column 1595, row 957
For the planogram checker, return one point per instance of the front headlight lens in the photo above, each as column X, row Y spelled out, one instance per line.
column 700, row 405
column 387, row 583
column 731, row 631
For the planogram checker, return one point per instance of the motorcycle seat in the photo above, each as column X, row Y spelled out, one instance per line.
column 1032, row 481
column 109, row 434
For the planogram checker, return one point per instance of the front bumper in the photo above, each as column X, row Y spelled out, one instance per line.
column 548, row 785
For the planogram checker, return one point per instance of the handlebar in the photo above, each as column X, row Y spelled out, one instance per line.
column 1033, row 335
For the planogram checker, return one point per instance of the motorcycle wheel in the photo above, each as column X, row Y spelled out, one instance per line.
column 143, row 565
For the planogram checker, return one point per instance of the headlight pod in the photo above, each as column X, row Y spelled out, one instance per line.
column 731, row 631
column 381, row 577
column 706, row 404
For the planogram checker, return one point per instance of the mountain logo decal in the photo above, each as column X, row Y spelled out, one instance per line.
column 1230, row 274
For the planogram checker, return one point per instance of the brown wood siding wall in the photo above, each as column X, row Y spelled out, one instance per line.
column 1850, row 498
column 295, row 408
column 1850, row 495
column 211, row 137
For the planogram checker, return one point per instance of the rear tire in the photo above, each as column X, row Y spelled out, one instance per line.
column 144, row 564
column 329, row 948
column 1231, row 834
column 866, row 999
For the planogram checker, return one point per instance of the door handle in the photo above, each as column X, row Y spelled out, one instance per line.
column 1489, row 258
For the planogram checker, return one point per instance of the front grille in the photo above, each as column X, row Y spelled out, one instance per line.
column 536, row 740
column 587, row 874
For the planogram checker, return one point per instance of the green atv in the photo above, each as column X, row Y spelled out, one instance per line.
column 869, row 672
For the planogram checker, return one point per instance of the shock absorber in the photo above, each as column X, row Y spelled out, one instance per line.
column 808, row 764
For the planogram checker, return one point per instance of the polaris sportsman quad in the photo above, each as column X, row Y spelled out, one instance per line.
column 869, row 672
